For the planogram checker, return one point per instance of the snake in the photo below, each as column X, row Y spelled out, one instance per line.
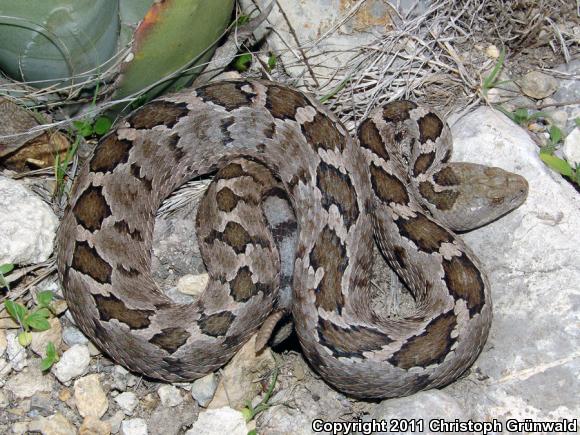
column 288, row 225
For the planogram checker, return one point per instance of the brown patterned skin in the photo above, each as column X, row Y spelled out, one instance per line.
column 272, row 146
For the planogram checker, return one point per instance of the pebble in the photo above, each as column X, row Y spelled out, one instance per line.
column 219, row 421
column 41, row 404
column 169, row 395
column 56, row 424
column 538, row 85
column 89, row 396
column 115, row 421
column 3, row 342
column 29, row 382
column 122, row 378
column 41, row 339
column 134, row 426
column 21, row 428
column 3, row 400
column 127, row 401
column 5, row 369
column 16, row 353
column 203, row 389
column 72, row 336
column 93, row 426
column 492, row 51
column 73, row 363
column 193, row 285
column 571, row 148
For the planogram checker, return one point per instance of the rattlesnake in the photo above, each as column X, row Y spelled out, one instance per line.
column 272, row 146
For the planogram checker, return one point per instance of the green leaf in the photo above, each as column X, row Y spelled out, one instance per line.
column 490, row 80
column 243, row 62
column 25, row 338
column 5, row 269
column 44, row 312
column 242, row 19
column 37, row 321
column 102, row 125
column 577, row 122
column 84, row 128
column 51, row 357
column 44, row 298
column 555, row 135
column 248, row 414
column 16, row 310
column 272, row 62
column 557, row 164
column 521, row 116
column 253, row 432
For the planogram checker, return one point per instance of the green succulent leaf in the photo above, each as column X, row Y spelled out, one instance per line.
column 44, row 298
column 555, row 135
column 5, row 269
column 557, row 164
column 37, row 321
column 272, row 62
column 243, row 62
column 25, row 338
column 84, row 128
column 17, row 311
column 102, row 125
column 51, row 357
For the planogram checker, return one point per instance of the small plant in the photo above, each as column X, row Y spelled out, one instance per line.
column 243, row 62
column 36, row 320
column 50, row 358
column 490, row 80
column 99, row 127
column 61, row 165
column 272, row 61
column 250, row 412
column 5, row 269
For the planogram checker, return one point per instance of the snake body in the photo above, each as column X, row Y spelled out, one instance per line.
column 295, row 205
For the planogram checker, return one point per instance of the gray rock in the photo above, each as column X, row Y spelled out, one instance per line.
column 29, row 382
column 127, row 401
column 169, row 395
column 27, row 227
column 41, row 404
column 16, row 354
column 3, row 400
column 3, row 342
column 571, row 148
column 203, row 389
column 530, row 362
column 538, row 85
column 134, row 426
column 72, row 336
column 90, row 398
column 122, row 378
column 115, row 421
column 418, row 410
column 56, row 424
column 173, row 420
column 219, row 421
column 72, row 364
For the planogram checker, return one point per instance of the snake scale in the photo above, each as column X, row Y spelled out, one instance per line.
column 296, row 204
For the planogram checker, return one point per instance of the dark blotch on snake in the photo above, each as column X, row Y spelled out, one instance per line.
column 350, row 342
column 156, row 113
column 387, row 187
column 465, row 282
column 227, row 95
column 430, row 127
column 110, row 308
column 122, row 227
column 443, row 200
column 283, row 102
column 91, row 209
column 329, row 253
column 170, row 339
column 226, row 199
column 321, row 132
column 423, row 163
column 110, row 153
column 429, row 347
column 426, row 234
column 86, row 260
column 217, row 324
column 398, row 111
column 370, row 138
column 242, row 288
column 145, row 182
column 337, row 189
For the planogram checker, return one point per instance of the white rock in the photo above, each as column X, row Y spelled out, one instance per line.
column 27, row 225
column 73, row 363
column 203, row 389
column 538, row 85
column 72, row 336
column 127, row 401
column 219, row 421
column 531, row 256
column 192, row 284
column 122, row 378
column 3, row 400
column 5, row 370
column 115, row 421
column 90, row 398
column 571, row 148
column 169, row 395
column 29, row 382
column 20, row 427
column 16, row 354
column 492, row 51
column 56, row 424
column 135, row 426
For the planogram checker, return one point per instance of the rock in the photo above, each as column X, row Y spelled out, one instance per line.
column 538, row 85
column 41, row 339
column 219, row 421
column 203, row 389
column 93, row 426
column 150, row 402
column 169, row 395
column 5, row 370
column 192, row 284
column 21, row 428
column 127, row 402
column 571, row 148
column 492, row 51
column 135, row 426
column 27, row 227
column 531, row 358
column 89, row 396
column 3, row 342
column 238, row 381
column 3, row 400
column 172, row 421
column 16, row 354
column 72, row 336
column 73, row 363
column 421, row 407
column 56, row 424
column 29, row 382
column 115, row 421
column 178, row 297
column 41, row 404
column 93, row 350
column 122, row 378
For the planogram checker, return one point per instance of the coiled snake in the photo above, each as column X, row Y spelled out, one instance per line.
column 295, row 204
